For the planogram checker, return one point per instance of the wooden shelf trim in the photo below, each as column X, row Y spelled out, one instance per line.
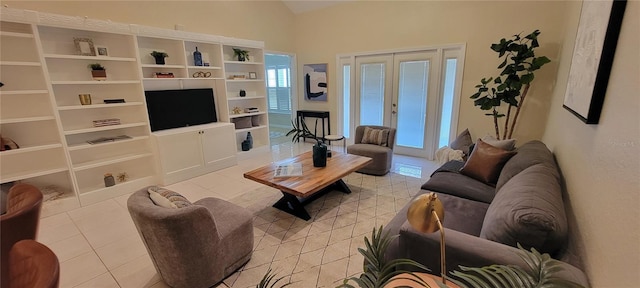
column 244, row 98
column 96, row 106
column 16, row 34
column 95, row 82
column 23, row 92
column 83, row 146
column 27, row 149
column 20, row 63
column 26, row 119
column 231, row 116
column 251, row 129
column 104, row 128
column 243, row 62
column 80, row 57
column 26, row 175
column 108, row 161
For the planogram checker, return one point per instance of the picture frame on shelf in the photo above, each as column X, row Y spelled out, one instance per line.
column 102, row 50
column 84, row 46
column 253, row 75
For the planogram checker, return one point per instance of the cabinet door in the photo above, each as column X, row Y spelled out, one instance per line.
column 218, row 143
column 180, row 152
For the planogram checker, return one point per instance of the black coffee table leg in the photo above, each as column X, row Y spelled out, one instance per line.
column 290, row 204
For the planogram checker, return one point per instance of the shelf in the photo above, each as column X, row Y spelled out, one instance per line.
column 20, row 63
column 243, row 62
column 20, row 176
column 26, row 119
column 104, row 128
column 95, row 82
column 108, row 161
column 28, row 149
column 16, row 34
column 205, row 67
column 162, row 66
column 94, row 194
column 245, row 80
column 23, row 92
column 251, row 129
column 89, row 146
column 231, row 116
column 96, row 106
column 245, row 98
column 79, row 57
column 178, row 78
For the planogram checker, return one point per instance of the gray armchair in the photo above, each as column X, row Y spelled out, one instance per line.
column 194, row 246
column 381, row 155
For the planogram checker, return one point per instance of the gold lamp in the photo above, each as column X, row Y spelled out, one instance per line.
column 425, row 215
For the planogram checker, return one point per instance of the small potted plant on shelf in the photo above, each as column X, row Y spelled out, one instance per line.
column 98, row 72
column 159, row 56
column 242, row 55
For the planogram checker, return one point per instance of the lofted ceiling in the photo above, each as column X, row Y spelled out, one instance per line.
column 301, row 6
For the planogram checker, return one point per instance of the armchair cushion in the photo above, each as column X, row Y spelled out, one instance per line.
column 375, row 136
column 463, row 142
column 167, row 198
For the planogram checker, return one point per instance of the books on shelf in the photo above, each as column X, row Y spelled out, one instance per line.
column 289, row 170
column 163, row 75
column 108, row 139
column 106, row 122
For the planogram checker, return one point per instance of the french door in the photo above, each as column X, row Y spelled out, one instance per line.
column 415, row 92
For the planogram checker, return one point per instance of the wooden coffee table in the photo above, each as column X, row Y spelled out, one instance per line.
column 315, row 181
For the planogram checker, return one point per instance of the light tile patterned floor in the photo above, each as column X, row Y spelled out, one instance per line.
column 98, row 245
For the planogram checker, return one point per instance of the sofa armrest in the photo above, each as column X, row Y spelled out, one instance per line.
column 467, row 250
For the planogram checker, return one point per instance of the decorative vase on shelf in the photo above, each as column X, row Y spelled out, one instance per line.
column 159, row 60
column 250, row 140
column 243, row 93
column 319, row 155
column 109, row 180
column 99, row 74
column 197, row 58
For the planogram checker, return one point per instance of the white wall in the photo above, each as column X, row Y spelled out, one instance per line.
column 601, row 163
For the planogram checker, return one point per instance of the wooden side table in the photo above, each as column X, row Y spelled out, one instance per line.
column 430, row 279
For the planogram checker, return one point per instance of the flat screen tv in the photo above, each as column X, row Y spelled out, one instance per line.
column 170, row 109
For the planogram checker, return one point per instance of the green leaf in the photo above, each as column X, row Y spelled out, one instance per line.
column 498, row 80
column 526, row 78
column 536, row 63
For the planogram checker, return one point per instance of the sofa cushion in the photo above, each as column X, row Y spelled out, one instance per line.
column 486, row 162
column 529, row 154
column 167, row 198
column 375, row 136
column 528, row 210
column 507, row 144
column 462, row 142
column 456, row 184
column 463, row 215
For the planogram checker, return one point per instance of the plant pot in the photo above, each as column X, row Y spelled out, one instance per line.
column 319, row 155
column 241, row 58
column 99, row 74
column 159, row 60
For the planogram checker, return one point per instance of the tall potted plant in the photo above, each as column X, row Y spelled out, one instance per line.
column 511, row 86
column 319, row 149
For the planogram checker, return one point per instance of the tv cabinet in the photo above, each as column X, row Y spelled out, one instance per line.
column 193, row 151
column 44, row 73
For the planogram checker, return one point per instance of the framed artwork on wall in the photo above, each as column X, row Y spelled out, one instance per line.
column 315, row 82
column 593, row 54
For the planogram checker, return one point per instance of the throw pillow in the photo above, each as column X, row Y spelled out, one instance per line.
column 462, row 142
column 375, row 136
column 167, row 198
column 507, row 144
column 486, row 162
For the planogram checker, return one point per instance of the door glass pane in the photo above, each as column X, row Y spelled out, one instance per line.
column 346, row 99
column 371, row 93
column 447, row 101
column 412, row 103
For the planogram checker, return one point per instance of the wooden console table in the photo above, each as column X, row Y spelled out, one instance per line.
column 301, row 114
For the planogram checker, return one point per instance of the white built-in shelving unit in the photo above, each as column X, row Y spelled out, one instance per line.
column 43, row 74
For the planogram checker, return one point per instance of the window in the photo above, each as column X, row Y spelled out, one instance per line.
column 278, row 88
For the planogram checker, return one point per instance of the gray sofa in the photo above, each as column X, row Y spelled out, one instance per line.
column 483, row 223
